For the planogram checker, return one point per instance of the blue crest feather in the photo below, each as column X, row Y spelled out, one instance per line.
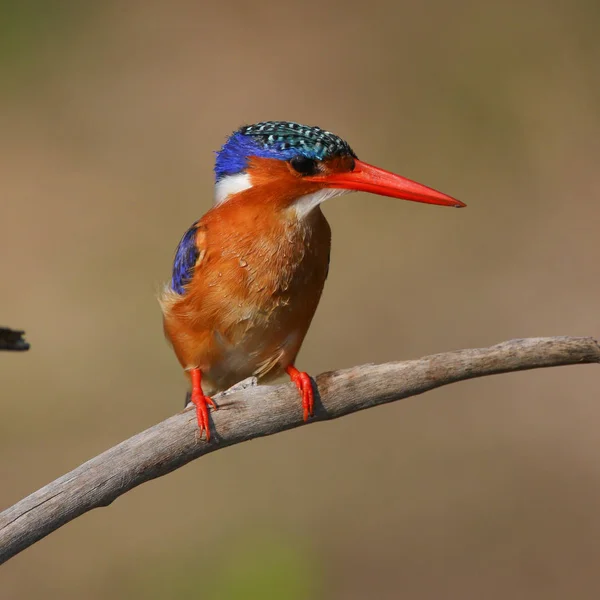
column 277, row 139
column 185, row 258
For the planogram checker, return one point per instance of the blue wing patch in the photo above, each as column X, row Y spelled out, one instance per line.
column 185, row 259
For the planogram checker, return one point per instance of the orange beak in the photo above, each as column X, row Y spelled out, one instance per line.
column 367, row 178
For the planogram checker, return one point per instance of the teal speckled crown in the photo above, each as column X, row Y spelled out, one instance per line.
column 286, row 135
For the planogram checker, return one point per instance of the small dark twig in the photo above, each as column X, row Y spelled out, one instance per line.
column 11, row 339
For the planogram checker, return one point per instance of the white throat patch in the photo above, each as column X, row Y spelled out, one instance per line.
column 230, row 185
column 305, row 204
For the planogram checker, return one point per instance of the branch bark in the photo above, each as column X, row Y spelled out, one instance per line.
column 259, row 411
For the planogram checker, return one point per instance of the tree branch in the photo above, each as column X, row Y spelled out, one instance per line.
column 259, row 411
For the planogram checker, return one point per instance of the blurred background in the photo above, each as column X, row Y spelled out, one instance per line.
column 109, row 116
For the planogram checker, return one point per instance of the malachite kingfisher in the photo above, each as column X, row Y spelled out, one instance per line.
column 247, row 277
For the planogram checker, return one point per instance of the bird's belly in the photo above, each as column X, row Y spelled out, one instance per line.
column 247, row 311
column 261, row 352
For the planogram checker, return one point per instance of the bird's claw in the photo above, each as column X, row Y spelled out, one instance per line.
column 201, row 403
column 304, row 385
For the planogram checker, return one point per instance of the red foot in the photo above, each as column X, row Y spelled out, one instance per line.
column 304, row 385
column 201, row 402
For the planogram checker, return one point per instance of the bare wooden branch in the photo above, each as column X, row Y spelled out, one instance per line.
column 260, row 411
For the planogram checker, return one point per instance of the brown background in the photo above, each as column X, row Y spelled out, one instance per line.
column 109, row 114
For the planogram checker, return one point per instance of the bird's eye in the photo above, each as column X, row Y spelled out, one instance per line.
column 304, row 165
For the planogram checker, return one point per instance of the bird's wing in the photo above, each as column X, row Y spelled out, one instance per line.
column 188, row 256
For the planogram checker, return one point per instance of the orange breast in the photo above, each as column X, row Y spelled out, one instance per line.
column 253, row 294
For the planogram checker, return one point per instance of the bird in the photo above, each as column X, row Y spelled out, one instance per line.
column 247, row 276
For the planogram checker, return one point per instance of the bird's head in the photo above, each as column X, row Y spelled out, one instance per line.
column 300, row 166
